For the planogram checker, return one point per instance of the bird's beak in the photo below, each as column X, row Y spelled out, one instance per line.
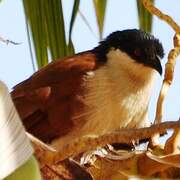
column 157, row 64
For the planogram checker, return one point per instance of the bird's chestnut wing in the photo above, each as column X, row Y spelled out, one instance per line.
column 49, row 99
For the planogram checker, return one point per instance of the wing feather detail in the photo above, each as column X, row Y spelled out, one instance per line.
column 51, row 97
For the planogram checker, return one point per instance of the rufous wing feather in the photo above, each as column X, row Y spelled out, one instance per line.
column 49, row 99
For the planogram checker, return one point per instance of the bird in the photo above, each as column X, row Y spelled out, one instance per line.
column 91, row 93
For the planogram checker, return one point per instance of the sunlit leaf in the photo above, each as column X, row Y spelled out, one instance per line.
column 36, row 21
column 47, row 29
column 145, row 18
column 55, row 28
column 100, row 9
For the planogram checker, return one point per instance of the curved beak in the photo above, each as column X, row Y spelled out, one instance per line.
column 157, row 65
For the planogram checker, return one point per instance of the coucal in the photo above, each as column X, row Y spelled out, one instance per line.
column 92, row 92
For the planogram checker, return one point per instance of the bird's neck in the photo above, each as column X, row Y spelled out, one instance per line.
column 117, row 97
column 119, row 83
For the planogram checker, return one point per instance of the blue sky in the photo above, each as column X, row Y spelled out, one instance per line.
column 15, row 61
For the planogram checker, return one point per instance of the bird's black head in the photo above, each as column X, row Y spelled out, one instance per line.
column 139, row 45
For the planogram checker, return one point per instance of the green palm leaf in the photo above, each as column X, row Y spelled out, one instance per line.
column 100, row 9
column 36, row 21
column 70, row 47
column 145, row 18
column 55, row 28
column 46, row 22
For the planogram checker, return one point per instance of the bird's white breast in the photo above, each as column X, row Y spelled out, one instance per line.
column 118, row 94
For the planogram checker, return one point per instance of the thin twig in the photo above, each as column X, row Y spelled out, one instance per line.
column 87, row 24
column 170, row 65
column 169, row 71
column 7, row 41
column 168, row 78
column 155, row 11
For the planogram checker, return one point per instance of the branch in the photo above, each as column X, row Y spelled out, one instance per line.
column 88, row 143
column 168, row 77
column 153, row 10
column 170, row 65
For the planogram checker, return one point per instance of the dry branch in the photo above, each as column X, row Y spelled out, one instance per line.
column 155, row 11
column 85, row 144
column 168, row 77
column 170, row 65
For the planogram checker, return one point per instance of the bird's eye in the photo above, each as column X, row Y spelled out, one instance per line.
column 137, row 52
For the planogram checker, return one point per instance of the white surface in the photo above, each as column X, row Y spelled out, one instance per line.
column 15, row 147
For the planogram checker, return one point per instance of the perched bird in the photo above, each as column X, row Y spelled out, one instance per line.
column 92, row 92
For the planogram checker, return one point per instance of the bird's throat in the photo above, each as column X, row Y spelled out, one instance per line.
column 115, row 100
